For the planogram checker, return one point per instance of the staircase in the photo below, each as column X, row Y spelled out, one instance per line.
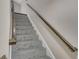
column 28, row 45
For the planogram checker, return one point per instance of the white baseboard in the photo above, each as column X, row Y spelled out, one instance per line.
column 10, row 51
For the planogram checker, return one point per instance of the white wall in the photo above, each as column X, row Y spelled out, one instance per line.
column 20, row 6
column 61, row 14
column 17, row 7
column 23, row 7
column 4, row 27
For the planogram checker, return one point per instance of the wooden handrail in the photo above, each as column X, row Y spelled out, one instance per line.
column 13, row 38
column 71, row 47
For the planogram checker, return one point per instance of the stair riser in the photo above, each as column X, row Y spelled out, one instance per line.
column 28, row 45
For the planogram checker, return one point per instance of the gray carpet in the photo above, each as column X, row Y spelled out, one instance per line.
column 28, row 45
